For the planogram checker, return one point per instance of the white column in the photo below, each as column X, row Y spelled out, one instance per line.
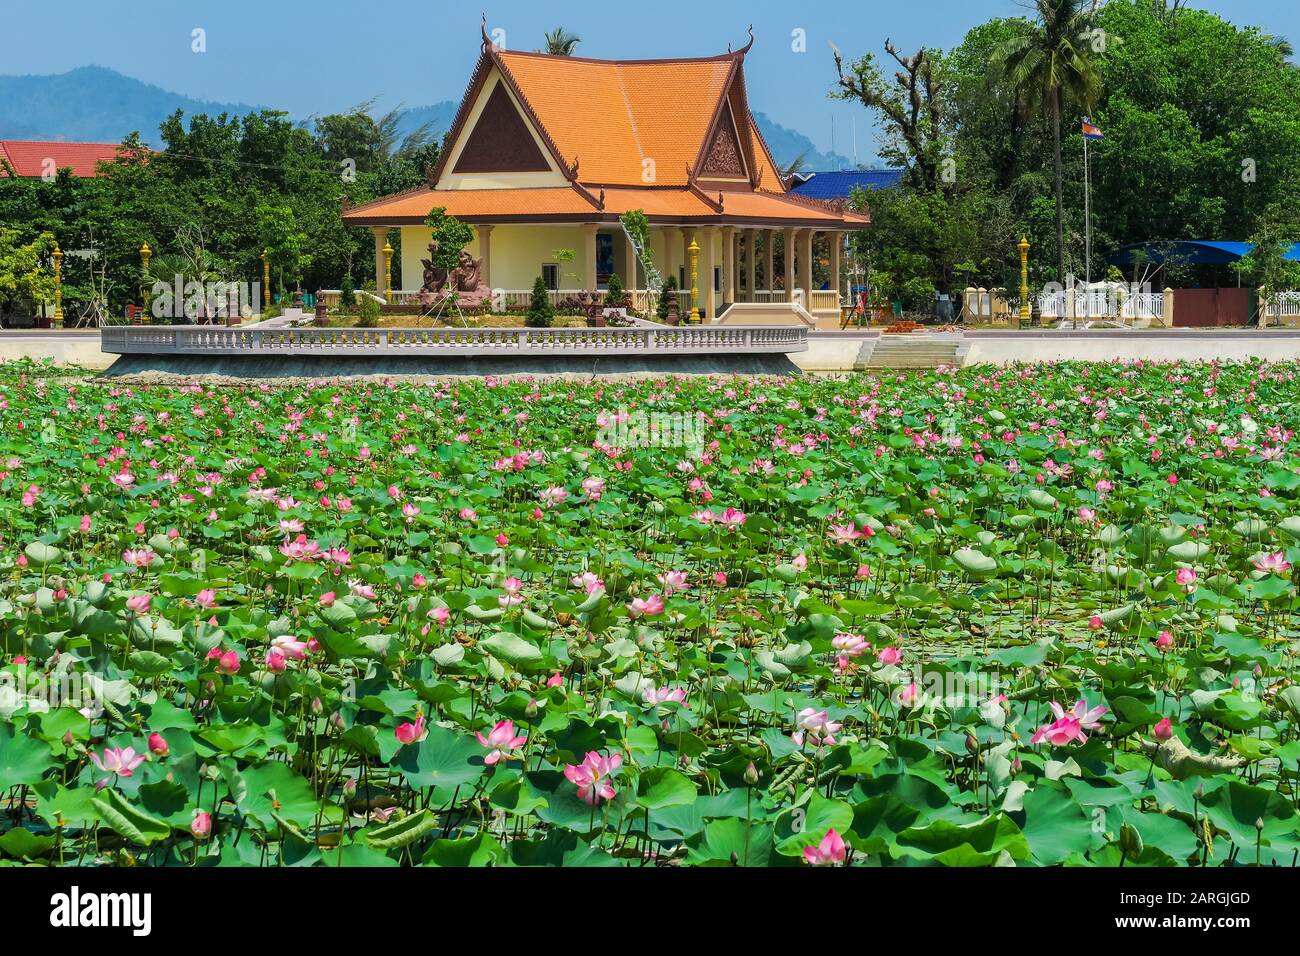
column 769, row 258
column 588, row 232
column 485, row 253
column 836, row 240
column 728, row 265
column 381, row 240
column 788, row 249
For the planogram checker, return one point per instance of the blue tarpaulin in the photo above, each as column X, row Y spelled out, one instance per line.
column 1190, row 252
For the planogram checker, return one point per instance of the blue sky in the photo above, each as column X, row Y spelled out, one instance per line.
column 311, row 56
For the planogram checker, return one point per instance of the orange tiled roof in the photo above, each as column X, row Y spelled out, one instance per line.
column 603, row 119
column 578, row 204
column 28, row 157
column 613, row 115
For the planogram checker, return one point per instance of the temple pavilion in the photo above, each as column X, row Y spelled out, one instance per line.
column 546, row 152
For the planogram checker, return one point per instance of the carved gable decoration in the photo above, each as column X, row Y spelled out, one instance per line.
column 724, row 157
column 500, row 141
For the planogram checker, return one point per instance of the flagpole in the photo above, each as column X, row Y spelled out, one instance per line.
column 1087, row 216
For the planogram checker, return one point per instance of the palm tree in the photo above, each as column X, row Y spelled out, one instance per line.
column 559, row 42
column 1053, row 60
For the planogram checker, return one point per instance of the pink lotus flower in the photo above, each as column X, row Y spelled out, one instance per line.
column 327, row 599
column 673, row 581
column 120, row 762
column 158, row 745
column 733, row 519
column 201, row 825
column 501, row 741
column 1164, row 641
column 593, row 488
column 555, row 680
column 1274, row 562
column 512, row 587
column 654, row 696
column 412, row 733
column 1186, row 577
column 1069, row 727
column 909, row 696
column 290, row 647
column 829, row 852
column 843, row 533
column 592, row 777
column 138, row 603
column 299, row 549
column 227, row 663
column 440, row 616
column 139, row 557
column 1096, row 623
column 588, row 582
column 468, row 514
column 654, row 604
column 720, row 579
column 207, row 598
column 889, row 656
column 1163, row 730
column 276, row 662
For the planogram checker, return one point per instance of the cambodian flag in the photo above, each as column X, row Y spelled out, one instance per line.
column 1091, row 132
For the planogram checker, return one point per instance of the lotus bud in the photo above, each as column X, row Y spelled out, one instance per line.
column 1130, row 841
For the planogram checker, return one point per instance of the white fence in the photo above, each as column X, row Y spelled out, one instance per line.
column 1284, row 305
column 1091, row 305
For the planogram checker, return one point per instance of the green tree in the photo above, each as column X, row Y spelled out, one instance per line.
column 450, row 236
column 560, row 42
column 26, row 276
column 278, row 231
column 666, row 295
column 540, row 311
column 1049, row 63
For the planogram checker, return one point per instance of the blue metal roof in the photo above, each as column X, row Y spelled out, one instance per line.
column 840, row 183
column 1198, row 252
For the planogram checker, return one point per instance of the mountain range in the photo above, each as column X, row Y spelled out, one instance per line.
column 97, row 104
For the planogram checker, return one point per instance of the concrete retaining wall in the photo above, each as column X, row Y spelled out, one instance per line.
column 65, row 348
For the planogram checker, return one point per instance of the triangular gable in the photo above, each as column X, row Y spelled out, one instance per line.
column 501, row 140
column 724, row 157
column 496, row 141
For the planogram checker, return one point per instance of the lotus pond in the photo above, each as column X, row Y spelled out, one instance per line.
column 1024, row 616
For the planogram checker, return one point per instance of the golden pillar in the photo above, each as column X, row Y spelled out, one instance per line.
column 266, row 278
column 1024, row 281
column 694, row 250
column 58, row 286
column 145, row 255
column 388, row 273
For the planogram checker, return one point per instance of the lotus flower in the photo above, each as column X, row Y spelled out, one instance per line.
column 592, row 777
column 120, row 762
column 1274, row 562
column 412, row 733
column 501, row 741
column 829, row 852
column 1069, row 726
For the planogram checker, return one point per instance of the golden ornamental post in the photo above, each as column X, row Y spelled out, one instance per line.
column 58, row 286
column 1024, row 281
column 694, row 250
column 388, row 272
column 266, row 278
column 145, row 255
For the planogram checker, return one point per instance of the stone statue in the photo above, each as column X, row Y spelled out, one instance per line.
column 466, row 281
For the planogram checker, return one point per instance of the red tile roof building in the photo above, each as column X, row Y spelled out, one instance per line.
column 33, row 159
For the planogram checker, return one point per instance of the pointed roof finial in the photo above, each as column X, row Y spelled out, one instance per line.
column 487, row 43
column 745, row 49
